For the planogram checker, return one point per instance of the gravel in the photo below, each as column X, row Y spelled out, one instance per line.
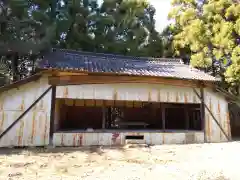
column 169, row 162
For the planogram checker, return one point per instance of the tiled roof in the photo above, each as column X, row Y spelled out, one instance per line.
column 119, row 64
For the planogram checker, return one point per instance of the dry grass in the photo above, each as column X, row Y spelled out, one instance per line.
column 168, row 162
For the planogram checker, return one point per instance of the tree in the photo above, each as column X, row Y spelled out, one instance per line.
column 211, row 29
column 28, row 28
column 117, row 26
column 25, row 32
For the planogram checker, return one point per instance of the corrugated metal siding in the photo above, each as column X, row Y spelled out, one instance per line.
column 130, row 92
column 219, row 107
column 157, row 93
column 33, row 128
column 118, row 138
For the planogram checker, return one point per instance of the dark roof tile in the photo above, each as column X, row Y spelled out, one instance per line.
column 99, row 62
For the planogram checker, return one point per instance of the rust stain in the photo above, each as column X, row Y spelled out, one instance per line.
column 65, row 93
column 1, row 104
column 210, row 104
column 177, row 98
column 149, row 95
column 33, row 127
column 185, row 98
column 2, row 122
column 163, row 140
column 62, row 140
column 115, row 95
column 22, row 106
column 35, row 107
column 220, row 122
column 219, row 117
column 159, row 96
column 228, row 124
column 167, row 96
column 219, row 108
column 45, row 129
column 209, row 127
column 80, row 139
column 20, row 135
column 74, row 140
column 114, row 137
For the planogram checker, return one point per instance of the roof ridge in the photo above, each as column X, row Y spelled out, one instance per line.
column 142, row 58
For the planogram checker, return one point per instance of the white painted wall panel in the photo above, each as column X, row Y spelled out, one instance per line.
column 219, row 108
column 129, row 91
column 118, row 138
column 33, row 128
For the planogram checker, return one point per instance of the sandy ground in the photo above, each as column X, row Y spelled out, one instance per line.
column 167, row 162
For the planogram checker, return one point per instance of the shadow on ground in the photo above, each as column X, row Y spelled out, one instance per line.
column 66, row 150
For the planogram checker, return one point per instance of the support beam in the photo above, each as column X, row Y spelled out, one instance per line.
column 214, row 118
column 104, row 117
column 25, row 112
column 52, row 117
column 163, row 117
column 202, row 110
column 100, row 79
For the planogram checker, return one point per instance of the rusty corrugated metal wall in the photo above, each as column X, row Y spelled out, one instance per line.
column 33, row 128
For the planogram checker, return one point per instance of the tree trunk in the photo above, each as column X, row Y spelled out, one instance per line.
column 14, row 67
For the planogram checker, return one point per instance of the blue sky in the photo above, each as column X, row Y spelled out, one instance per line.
column 162, row 8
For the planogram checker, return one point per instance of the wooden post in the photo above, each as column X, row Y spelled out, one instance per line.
column 103, row 117
column 202, row 109
column 163, row 117
column 52, row 116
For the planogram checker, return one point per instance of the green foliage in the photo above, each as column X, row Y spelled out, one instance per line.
column 27, row 28
column 211, row 29
column 117, row 26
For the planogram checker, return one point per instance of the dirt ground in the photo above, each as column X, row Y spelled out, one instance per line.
column 167, row 162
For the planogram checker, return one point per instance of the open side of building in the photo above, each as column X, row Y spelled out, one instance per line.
column 68, row 104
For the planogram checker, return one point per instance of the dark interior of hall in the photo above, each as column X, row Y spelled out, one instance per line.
column 93, row 115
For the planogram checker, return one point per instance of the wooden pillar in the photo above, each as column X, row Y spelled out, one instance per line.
column 103, row 117
column 52, row 116
column 202, row 109
column 163, row 117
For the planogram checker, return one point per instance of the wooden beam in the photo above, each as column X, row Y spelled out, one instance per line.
column 103, row 117
column 76, row 80
column 202, row 110
column 52, row 116
column 163, row 117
